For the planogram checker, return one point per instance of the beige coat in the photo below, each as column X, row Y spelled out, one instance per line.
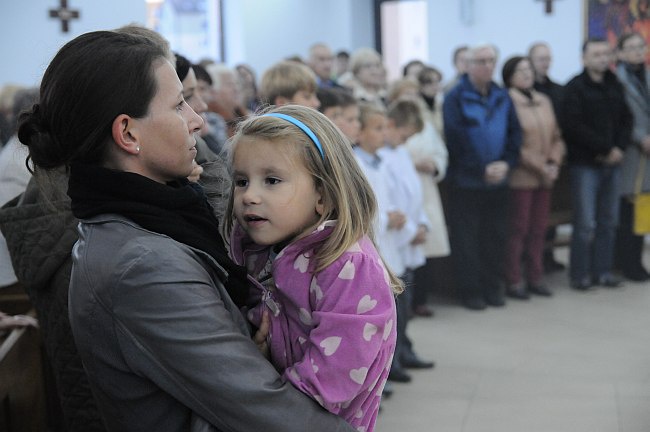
column 427, row 146
column 541, row 140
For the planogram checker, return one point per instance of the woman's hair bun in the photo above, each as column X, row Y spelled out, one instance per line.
column 34, row 133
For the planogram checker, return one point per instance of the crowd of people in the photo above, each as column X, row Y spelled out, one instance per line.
column 250, row 251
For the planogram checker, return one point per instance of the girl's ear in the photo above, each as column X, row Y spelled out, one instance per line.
column 123, row 134
column 320, row 205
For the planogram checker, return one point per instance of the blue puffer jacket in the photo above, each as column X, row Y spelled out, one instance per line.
column 479, row 130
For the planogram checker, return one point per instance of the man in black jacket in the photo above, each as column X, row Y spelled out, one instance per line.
column 597, row 124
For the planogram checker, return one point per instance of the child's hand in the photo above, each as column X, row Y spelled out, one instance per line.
column 262, row 333
column 396, row 219
column 420, row 236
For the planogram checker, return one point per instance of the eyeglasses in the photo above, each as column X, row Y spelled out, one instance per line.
column 637, row 48
column 484, row 61
column 523, row 69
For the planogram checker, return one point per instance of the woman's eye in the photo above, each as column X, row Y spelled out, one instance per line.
column 179, row 107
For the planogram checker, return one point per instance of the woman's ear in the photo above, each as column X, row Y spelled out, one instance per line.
column 123, row 129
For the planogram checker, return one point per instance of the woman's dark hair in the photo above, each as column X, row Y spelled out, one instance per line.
column 509, row 69
column 93, row 79
column 202, row 74
column 183, row 66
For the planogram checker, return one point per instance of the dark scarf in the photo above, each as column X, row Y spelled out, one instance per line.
column 179, row 210
column 430, row 101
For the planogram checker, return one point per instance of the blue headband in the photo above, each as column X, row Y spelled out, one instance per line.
column 303, row 127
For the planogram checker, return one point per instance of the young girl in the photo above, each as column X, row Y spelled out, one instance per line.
column 301, row 214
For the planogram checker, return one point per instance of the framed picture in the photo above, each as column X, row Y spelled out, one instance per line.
column 609, row 19
column 192, row 27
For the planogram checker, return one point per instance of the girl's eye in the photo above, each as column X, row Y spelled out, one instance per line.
column 241, row 182
column 273, row 180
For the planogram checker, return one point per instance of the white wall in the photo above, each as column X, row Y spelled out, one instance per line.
column 512, row 25
column 29, row 38
column 261, row 32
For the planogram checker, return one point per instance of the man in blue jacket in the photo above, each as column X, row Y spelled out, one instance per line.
column 483, row 138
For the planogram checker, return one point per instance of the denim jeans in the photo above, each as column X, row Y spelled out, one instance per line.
column 594, row 190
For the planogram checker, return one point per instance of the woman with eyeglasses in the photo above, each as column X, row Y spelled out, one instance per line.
column 531, row 180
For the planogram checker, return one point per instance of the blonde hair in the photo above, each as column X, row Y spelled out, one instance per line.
column 285, row 79
column 368, row 109
column 363, row 57
column 346, row 193
column 399, row 86
column 405, row 113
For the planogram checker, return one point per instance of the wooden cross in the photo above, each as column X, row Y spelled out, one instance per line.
column 64, row 14
column 548, row 6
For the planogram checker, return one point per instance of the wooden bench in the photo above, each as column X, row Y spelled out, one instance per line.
column 22, row 389
column 22, row 393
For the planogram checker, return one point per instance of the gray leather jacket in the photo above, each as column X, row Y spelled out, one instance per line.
column 165, row 348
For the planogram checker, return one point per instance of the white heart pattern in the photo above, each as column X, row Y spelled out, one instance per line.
column 302, row 340
column 330, row 344
column 359, row 375
column 347, row 272
column 369, row 331
column 314, row 288
column 301, row 263
column 388, row 328
column 305, row 316
column 366, row 304
column 361, row 429
column 313, row 366
column 358, row 414
column 294, row 374
column 355, row 248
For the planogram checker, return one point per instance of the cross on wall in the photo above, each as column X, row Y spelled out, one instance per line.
column 548, row 6
column 64, row 14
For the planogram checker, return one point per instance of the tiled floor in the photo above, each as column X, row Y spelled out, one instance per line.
column 577, row 362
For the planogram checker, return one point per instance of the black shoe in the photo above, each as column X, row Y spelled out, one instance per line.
column 413, row 362
column 583, row 284
column 398, row 375
column 608, row 280
column 474, row 303
column 552, row 266
column 388, row 390
column 517, row 292
column 540, row 290
column 637, row 275
column 495, row 300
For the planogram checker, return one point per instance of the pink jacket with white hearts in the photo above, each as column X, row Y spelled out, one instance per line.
column 332, row 333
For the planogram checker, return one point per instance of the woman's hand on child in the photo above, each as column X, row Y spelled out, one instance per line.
column 197, row 170
column 262, row 333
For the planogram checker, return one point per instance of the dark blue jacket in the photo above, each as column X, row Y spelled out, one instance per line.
column 479, row 130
